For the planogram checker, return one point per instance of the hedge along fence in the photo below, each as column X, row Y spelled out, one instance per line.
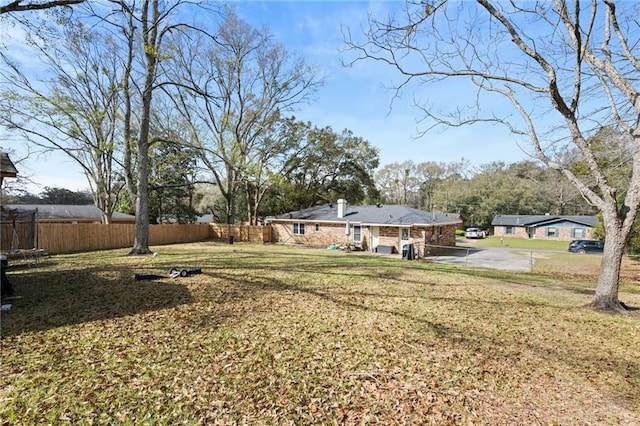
column 253, row 234
column 78, row 237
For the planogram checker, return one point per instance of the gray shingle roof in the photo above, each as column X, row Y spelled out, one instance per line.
column 68, row 212
column 540, row 220
column 393, row 215
column 206, row 218
column 7, row 168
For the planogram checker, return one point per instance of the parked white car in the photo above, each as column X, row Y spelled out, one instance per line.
column 474, row 233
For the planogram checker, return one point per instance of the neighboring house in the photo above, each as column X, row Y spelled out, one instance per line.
column 544, row 227
column 366, row 227
column 7, row 169
column 69, row 213
column 206, row 218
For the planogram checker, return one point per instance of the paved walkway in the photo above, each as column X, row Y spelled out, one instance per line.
column 511, row 259
column 489, row 257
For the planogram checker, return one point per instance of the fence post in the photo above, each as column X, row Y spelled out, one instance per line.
column 531, row 262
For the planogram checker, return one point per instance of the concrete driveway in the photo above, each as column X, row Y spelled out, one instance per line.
column 510, row 259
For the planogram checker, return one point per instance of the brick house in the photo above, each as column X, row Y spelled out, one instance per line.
column 544, row 227
column 370, row 227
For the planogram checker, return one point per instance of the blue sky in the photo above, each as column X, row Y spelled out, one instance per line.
column 356, row 98
column 353, row 98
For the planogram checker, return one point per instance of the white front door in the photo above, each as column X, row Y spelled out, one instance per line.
column 404, row 238
column 375, row 237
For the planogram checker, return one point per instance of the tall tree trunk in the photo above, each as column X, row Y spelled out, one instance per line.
column 257, row 202
column 106, row 209
column 149, row 36
column 606, row 296
column 255, row 207
column 141, row 241
column 129, row 176
column 231, row 206
column 231, row 195
column 249, row 203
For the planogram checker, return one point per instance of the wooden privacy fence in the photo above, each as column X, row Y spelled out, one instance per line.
column 78, row 237
column 56, row 238
column 253, row 234
column 17, row 230
column 18, row 236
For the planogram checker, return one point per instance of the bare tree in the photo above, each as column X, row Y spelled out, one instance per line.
column 23, row 6
column 241, row 84
column 147, row 27
column 430, row 175
column 398, row 183
column 74, row 109
column 276, row 156
column 567, row 68
column 152, row 33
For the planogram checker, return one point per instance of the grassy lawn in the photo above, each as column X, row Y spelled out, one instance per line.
column 282, row 335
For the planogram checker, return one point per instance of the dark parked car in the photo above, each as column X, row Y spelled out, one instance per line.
column 586, row 246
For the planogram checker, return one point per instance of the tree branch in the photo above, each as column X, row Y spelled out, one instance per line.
column 19, row 6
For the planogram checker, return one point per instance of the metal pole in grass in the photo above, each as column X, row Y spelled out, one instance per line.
column 531, row 262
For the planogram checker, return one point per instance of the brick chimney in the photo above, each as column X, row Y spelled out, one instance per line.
column 342, row 207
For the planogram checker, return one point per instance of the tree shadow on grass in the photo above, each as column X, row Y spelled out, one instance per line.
column 519, row 279
column 551, row 283
column 394, row 269
column 490, row 341
column 50, row 299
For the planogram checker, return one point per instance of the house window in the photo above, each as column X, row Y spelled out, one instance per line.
column 357, row 233
column 317, row 227
column 440, row 231
column 552, row 232
column 509, row 230
column 578, row 233
column 298, row 229
column 405, row 234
